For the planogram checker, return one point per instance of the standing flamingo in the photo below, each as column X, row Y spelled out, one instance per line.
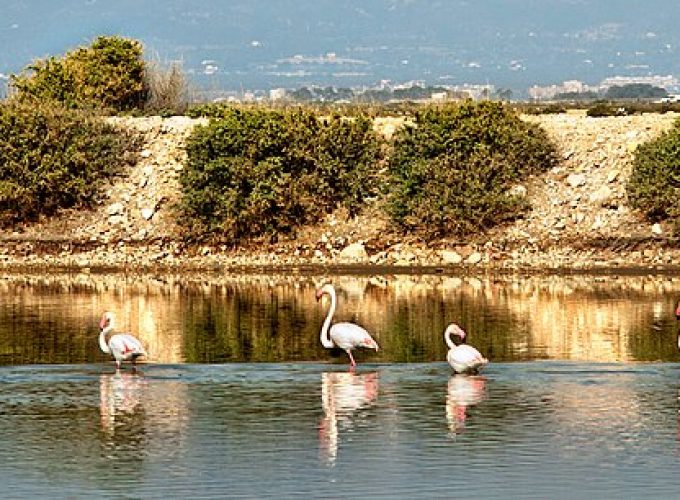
column 122, row 346
column 462, row 358
column 346, row 336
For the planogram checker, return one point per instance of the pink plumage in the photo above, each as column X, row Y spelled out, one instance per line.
column 462, row 358
column 122, row 346
column 346, row 336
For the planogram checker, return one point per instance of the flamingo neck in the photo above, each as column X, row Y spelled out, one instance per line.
column 103, row 344
column 325, row 328
column 447, row 338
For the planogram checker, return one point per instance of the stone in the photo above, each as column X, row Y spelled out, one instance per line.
column 355, row 252
column 576, row 180
column 147, row 213
column 115, row 209
column 602, row 196
column 612, row 176
column 518, row 190
column 474, row 258
column 451, row 257
column 657, row 229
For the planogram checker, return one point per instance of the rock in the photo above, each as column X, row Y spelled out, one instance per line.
column 356, row 252
column 115, row 209
column 657, row 229
column 576, row 180
column 147, row 213
column 116, row 219
column 451, row 257
column 518, row 190
column 474, row 258
column 602, row 196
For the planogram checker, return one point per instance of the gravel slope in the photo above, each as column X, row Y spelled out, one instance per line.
column 580, row 217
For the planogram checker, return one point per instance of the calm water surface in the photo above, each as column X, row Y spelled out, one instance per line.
column 239, row 399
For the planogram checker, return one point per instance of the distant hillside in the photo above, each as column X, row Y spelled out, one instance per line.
column 292, row 43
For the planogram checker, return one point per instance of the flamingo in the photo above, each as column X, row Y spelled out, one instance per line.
column 346, row 336
column 462, row 358
column 122, row 346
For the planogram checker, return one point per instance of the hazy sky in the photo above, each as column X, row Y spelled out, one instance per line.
column 269, row 43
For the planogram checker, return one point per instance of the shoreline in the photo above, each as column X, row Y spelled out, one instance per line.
column 579, row 222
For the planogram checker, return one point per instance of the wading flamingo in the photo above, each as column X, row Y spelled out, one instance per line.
column 346, row 336
column 462, row 358
column 122, row 346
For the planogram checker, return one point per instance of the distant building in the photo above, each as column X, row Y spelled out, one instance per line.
column 567, row 87
column 277, row 94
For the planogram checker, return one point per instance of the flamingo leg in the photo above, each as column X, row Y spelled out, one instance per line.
column 353, row 363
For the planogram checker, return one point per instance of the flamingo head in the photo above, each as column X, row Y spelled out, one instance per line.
column 325, row 289
column 454, row 329
column 369, row 343
column 107, row 320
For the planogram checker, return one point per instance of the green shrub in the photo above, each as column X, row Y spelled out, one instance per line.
column 258, row 172
column 108, row 74
column 452, row 173
column 654, row 183
column 601, row 109
column 52, row 158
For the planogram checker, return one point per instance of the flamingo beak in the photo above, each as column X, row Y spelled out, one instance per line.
column 319, row 294
column 677, row 311
column 103, row 322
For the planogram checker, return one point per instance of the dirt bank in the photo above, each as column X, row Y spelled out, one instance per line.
column 580, row 217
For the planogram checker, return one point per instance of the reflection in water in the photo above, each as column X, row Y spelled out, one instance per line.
column 462, row 393
column 121, row 410
column 217, row 318
column 342, row 394
column 553, row 429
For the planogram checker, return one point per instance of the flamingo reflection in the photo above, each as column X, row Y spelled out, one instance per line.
column 462, row 393
column 342, row 394
column 120, row 405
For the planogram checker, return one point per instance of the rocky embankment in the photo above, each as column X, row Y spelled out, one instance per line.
column 580, row 217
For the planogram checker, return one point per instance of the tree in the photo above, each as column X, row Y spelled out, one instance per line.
column 635, row 91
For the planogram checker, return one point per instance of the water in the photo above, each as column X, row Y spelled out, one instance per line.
column 239, row 400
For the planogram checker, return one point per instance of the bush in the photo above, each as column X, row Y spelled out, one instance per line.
column 52, row 158
column 654, row 183
column 168, row 89
column 602, row 109
column 452, row 172
column 258, row 172
column 109, row 74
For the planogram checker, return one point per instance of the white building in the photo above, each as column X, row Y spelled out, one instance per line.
column 277, row 94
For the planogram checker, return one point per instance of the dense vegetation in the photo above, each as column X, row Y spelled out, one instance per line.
column 263, row 172
column 109, row 74
column 453, row 172
column 654, row 184
column 52, row 158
